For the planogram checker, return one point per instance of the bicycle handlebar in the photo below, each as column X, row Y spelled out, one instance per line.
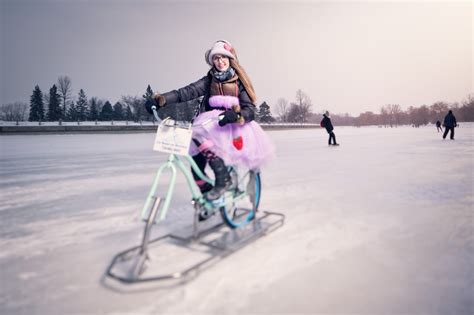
column 159, row 120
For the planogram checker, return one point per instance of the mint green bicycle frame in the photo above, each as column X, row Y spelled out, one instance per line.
column 174, row 162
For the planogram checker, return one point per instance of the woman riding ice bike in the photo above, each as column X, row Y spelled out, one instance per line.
column 224, row 136
column 224, row 131
column 237, row 204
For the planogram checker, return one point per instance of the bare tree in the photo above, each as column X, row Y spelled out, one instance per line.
column 384, row 116
column 282, row 109
column 136, row 105
column 366, row 119
column 395, row 113
column 418, row 115
column 294, row 114
column 469, row 100
column 65, row 90
column 17, row 111
column 391, row 114
column 304, row 103
column 466, row 112
column 438, row 110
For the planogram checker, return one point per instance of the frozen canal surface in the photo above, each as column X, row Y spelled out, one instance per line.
column 382, row 224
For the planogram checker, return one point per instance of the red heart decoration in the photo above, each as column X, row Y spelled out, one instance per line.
column 238, row 143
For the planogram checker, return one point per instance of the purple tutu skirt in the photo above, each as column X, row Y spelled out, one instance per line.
column 247, row 145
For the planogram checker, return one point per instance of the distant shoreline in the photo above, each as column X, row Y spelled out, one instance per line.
column 132, row 128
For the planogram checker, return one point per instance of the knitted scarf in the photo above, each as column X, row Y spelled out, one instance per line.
column 222, row 76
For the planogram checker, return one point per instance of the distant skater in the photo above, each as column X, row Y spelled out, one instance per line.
column 449, row 124
column 326, row 123
column 438, row 126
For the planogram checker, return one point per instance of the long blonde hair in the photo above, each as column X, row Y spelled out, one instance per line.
column 244, row 78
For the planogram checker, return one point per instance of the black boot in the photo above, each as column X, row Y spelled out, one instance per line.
column 204, row 187
column 222, row 176
column 201, row 162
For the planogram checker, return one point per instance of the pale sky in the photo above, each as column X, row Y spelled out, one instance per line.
column 347, row 56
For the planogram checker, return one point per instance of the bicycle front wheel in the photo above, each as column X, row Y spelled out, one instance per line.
column 245, row 198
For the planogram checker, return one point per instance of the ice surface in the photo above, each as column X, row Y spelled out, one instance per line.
column 381, row 224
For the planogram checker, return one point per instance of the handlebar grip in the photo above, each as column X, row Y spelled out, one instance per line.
column 155, row 113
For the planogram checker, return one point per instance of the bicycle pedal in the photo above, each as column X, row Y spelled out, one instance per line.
column 218, row 202
column 205, row 214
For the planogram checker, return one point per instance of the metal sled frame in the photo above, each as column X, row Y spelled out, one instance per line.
column 217, row 251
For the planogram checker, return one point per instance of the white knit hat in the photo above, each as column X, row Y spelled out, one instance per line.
column 221, row 47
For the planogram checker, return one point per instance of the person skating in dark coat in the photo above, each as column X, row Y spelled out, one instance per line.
column 438, row 126
column 326, row 123
column 449, row 124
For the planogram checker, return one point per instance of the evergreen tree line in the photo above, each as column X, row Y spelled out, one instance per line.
column 54, row 107
column 59, row 105
column 131, row 108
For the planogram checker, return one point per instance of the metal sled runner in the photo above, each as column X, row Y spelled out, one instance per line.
column 209, row 240
column 215, row 243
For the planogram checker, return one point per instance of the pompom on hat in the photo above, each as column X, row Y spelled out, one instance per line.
column 221, row 47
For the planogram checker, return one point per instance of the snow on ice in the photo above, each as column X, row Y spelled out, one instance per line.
column 381, row 224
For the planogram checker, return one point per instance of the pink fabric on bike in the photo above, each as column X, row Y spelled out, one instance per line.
column 200, row 182
column 225, row 101
column 206, row 145
column 257, row 148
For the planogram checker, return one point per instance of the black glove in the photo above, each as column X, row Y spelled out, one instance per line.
column 228, row 117
column 148, row 105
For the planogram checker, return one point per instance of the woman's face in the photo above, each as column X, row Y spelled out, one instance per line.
column 221, row 62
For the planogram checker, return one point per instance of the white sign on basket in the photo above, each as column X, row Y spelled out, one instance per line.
column 173, row 139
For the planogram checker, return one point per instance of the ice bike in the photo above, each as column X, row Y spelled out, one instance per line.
column 238, row 208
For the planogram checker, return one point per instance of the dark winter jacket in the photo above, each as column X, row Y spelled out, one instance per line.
column 326, row 122
column 202, row 87
column 450, row 120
